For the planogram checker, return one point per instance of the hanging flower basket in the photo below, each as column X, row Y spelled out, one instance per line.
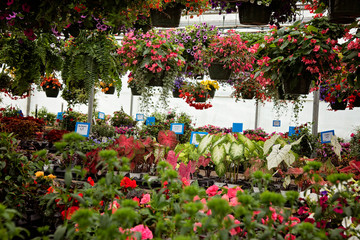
column 343, row 11
column 168, row 17
column 134, row 91
column 339, row 105
column 200, row 98
column 356, row 103
column 218, row 72
column 212, row 93
column 51, row 92
column 248, row 95
column 176, row 93
column 254, row 14
column 156, row 82
column 300, row 85
column 111, row 90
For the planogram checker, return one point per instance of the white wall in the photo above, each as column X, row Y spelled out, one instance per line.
column 224, row 112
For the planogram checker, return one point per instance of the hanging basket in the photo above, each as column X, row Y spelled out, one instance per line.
column 343, row 11
column 211, row 93
column 297, row 86
column 218, row 72
column 110, row 91
column 135, row 92
column 156, row 82
column 283, row 96
column 356, row 103
column 338, row 105
column 176, row 93
column 254, row 14
column 168, row 17
column 200, row 99
column 248, row 95
column 50, row 92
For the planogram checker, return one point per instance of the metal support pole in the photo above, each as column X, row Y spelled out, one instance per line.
column 62, row 107
column 256, row 114
column 90, row 106
column 315, row 119
column 36, row 110
column 131, row 104
column 28, row 102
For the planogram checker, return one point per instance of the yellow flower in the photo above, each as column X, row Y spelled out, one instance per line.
column 51, row 176
column 39, row 174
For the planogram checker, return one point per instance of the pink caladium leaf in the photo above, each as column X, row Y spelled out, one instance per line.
column 193, row 166
column 167, row 138
column 184, row 171
column 203, row 161
column 172, row 158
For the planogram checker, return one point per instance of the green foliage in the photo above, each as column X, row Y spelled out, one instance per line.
column 48, row 117
column 99, row 131
column 8, row 229
column 355, row 144
column 121, row 118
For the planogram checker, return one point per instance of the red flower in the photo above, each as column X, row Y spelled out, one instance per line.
column 69, row 212
column 90, row 181
column 128, row 183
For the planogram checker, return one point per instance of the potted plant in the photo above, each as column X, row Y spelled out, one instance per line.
column 246, row 88
column 351, row 57
column 165, row 13
column 211, row 86
column 50, row 85
column 107, row 88
column 195, row 94
column 179, row 81
column 345, row 11
column 89, row 57
column 195, row 38
column 153, row 60
column 225, row 54
column 300, row 54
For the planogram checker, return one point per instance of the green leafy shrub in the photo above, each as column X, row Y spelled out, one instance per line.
column 48, row 117
column 121, row 118
column 99, row 131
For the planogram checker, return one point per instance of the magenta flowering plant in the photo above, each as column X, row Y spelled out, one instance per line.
column 230, row 50
column 300, row 51
column 151, row 57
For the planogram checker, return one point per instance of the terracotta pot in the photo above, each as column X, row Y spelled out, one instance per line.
column 168, row 17
column 254, row 14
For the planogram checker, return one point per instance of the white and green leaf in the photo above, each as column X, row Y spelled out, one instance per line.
column 236, row 151
column 269, row 143
column 218, row 154
column 336, row 145
column 205, row 143
column 220, row 169
column 277, row 155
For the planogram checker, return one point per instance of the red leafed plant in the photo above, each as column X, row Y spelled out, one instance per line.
column 23, row 127
column 55, row 135
column 167, row 138
column 354, row 168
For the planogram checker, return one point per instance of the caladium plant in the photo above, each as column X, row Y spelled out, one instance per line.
column 228, row 152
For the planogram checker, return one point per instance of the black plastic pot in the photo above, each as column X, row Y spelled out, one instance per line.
column 254, row 14
column 338, row 105
column 168, row 17
column 343, row 11
column 218, row 72
column 135, row 92
column 50, row 92
column 110, row 91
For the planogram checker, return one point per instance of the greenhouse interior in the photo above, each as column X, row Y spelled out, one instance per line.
column 180, row 119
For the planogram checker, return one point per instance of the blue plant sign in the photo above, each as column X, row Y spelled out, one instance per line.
column 177, row 128
column 82, row 129
column 59, row 116
column 140, row 117
column 101, row 115
column 193, row 137
column 326, row 136
column 20, row 113
column 150, row 121
column 237, row 127
column 291, row 131
column 276, row 123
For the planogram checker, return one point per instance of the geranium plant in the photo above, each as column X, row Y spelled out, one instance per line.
column 50, row 82
column 229, row 50
column 302, row 51
column 152, row 59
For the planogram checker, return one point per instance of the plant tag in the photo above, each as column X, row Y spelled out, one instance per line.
column 150, row 121
column 193, row 138
column 177, row 128
column 59, row 115
column 292, row 131
column 82, row 128
column 237, row 127
column 101, row 115
column 140, row 117
column 326, row 136
column 276, row 123
column 20, row 113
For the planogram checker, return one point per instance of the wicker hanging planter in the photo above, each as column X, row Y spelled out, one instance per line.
column 339, row 105
column 111, row 90
column 343, row 11
column 218, row 72
column 168, row 17
column 254, row 14
column 50, row 92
